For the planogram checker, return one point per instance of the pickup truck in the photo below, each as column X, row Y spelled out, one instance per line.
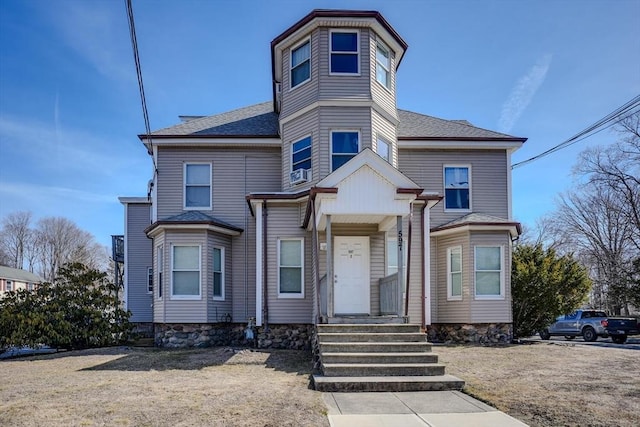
column 619, row 328
column 590, row 324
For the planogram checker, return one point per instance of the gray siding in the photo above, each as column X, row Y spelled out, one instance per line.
column 216, row 309
column 158, row 303
column 139, row 258
column 303, row 126
column 489, row 193
column 305, row 94
column 382, row 128
column 451, row 311
column 386, row 98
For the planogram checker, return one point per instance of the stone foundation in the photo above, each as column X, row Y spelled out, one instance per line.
column 479, row 333
column 295, row 337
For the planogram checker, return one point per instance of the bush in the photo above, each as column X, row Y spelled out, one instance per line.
column 544, row 286
column 79, row 310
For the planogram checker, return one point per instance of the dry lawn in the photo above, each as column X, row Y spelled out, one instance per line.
column 148, row 387
column 547, row 384
column 541, row 384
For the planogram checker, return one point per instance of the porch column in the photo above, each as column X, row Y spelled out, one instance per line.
column 400, row 266
column 330, row 278
column 426, row 271
column 259, row 259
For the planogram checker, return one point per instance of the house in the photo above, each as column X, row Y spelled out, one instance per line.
column 324, row 205
column 13, row 279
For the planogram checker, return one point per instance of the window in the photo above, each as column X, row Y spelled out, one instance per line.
column 218, row 274
column 301, row 64
column 383, row 149
column 160, row 267
column 456, row 187
column 290, row 268
column 9, row 286
column 186, row 272
column 150, row 280
column 383, row 65
column 344, row 146
column 30, row 286
column 392, row 254
column 197, row 186
column 454, row 273
column 344, row 52
column 301, row 154
column 489, row 275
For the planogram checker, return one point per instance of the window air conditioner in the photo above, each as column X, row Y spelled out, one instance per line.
column 299, row 176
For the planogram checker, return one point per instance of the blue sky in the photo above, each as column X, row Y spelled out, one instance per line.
column 70, row 109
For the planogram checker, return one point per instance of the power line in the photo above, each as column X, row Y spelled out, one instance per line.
column 619, row 114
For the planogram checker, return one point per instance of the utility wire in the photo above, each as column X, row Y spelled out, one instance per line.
column 629, row 108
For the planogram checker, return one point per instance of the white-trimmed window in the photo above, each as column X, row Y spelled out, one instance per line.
column 150, row 280
column 218, row 274
column 185, row 272
column 489, row 272
column 291, row 268
column 457, row 187
column 345, row 144
column 344, row 52
column 197, row 186
column 159, row 267
column 301, row 63
column 383, row 149
column 383, row 65
column 9, row 286
column 301, row 154
column 454, row 273
column 30, row 286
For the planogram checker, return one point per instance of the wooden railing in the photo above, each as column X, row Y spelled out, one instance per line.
column 389, row 294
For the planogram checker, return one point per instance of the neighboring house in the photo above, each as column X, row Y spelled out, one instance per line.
column 295, row 212
column 13, row 279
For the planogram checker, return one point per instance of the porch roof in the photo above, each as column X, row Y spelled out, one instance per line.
column 477, row 221
column 191, row 220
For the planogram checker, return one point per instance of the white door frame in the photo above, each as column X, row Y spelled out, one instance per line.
column 352, row 286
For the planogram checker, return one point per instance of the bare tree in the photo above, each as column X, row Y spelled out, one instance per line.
column 15, row 237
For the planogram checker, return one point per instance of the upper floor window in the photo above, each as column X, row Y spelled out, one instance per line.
column 301, row 154
column 489, row 275
column 301, row 64
column 290, row 268
column 197, row 186
column 454, row 273
column 382, row 149
column 185, row 274
column 457, row 187
column 344, row 58
column 150, row 280
column 344, row 146
column 218, row 273
column 383, row 65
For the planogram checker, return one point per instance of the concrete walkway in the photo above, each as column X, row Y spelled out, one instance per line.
column 413, row 409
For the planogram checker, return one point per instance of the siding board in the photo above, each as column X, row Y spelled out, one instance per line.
column 139, row 259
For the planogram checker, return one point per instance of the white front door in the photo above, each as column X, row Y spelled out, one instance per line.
column 351, row 275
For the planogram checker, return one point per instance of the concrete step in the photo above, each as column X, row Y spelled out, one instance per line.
column 371, row 337
column 374, row 328
column 369, row 320
column 381, row 369
column 375, row 347
column 378, row 358
column 387, row 384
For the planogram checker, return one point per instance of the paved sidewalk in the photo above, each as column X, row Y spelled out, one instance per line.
column 413, row 409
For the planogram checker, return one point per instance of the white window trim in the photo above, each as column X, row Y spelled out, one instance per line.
column 502, row 273
column 8, row 286
column 291, row 87
column 384, row 47
column 291, row 152
column 444, row 186
column 357, row 52
column 389, row 147
column 159, row 270
column 184, row 187
column 450, row 296
column 222, row 274
column 150, row 280
column 288, row 295
column 331, row 132
column 187, row 297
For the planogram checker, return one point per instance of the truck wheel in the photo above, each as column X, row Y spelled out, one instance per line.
column 569, row 337
column 544, row 334
column 589, row 334
column 619, row 339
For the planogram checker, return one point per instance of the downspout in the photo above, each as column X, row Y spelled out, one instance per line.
column 424, row 273
column 406, row 296
column 265, row 299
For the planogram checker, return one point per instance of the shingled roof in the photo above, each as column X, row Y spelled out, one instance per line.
column 19, row 275
column 260, row 121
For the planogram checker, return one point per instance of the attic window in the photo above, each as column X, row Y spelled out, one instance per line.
column 301, row 64
column 344, row 52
